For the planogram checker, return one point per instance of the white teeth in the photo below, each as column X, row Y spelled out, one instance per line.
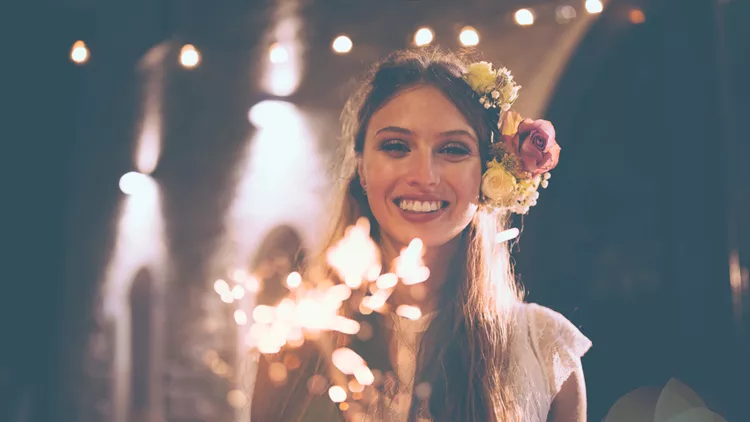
column 420, row 206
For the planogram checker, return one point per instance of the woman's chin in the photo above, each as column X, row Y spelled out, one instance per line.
column 430, row 239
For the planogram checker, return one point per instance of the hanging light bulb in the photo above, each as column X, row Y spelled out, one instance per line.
column 524, row 17
column 469, row 37
column 189, row 56
column 79, row 53
column 594, row 6
column 423, row 36
column 342, row 44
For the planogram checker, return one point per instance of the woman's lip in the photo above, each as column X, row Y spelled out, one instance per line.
column 443, row 203
column 419, row 198
column 420, row 217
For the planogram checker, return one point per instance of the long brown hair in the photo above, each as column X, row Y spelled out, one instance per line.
column 465, row 353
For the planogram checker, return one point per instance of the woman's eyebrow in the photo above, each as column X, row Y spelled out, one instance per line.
column 405, row 131
column 395, row 129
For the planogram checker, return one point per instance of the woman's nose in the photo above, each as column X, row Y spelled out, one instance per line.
column 424, row 171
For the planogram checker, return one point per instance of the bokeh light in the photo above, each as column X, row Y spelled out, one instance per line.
column 423, row 37
column 524, row 17
column 469, row 37
column 189, row 56
column 79, row 53
column 594, row 6
column 342, row 44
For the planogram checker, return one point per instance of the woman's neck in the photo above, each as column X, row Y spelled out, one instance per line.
column 437, row 259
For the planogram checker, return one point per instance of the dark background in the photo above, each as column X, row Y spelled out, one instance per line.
column 632, row 242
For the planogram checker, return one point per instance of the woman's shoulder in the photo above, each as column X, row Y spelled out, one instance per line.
column 555, row 340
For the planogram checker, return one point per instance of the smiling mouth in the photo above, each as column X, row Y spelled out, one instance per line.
column 411, row 205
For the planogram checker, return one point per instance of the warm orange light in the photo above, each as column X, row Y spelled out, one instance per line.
column 636, row 16
column 594, row 6
column 469, row 37
column 189, row 56
column 524, row 17
column 342, row 44
column 79, row 53
column 423, row 36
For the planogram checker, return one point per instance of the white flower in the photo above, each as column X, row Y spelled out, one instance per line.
column 480, row 77
column 497, row 184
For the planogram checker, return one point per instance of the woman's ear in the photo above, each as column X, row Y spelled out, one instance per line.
column 361, row 174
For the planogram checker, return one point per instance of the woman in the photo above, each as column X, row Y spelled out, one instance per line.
column 431, row 151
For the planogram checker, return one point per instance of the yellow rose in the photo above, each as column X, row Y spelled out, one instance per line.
column 481, row 78
column 510, row 122
column 497, row 184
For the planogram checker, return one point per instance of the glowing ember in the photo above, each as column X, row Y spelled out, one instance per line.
column 363, row 375
column 356, row 255
column 345, row 325
column 239, row 275
column 238, row 292
column 292, row 362
column 339, row 293
column 316, row 306
column 337, row 394
column 409, row 266
column 293, row 280
column 221, row 287
column 410, row 312
column 240, row 317
column 285, row 310
column 355, row 386
column 252, row 284
column 377, row 300
column 268, row 345
column 263, row 314
column 347, row 360
column 236, row 399
column 386, row 281
column 277, row 372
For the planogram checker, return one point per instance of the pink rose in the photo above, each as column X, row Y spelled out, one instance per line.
column 535, row 145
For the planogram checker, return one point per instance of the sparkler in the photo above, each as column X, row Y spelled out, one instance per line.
column 315, row 307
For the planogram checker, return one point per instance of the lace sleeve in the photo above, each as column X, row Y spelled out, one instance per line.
column 559, row 345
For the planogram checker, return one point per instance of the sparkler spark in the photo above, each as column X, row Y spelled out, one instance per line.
column 313, row 307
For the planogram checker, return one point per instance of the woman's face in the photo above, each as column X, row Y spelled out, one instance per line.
column 421, row 168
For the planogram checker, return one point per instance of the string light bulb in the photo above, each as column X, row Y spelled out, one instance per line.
column 79, row 53
column 524, row 17
column 189, row 56
column 565, row 13
column 342, row 44
column 594, row 6
column 423, row 37
column 469, row 37
column 636, row 16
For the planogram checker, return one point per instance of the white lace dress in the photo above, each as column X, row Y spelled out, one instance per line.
column 546, row 349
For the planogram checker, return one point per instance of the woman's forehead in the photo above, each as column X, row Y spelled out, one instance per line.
column 423, row 109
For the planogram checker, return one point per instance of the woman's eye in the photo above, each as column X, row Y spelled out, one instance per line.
column 456, row 150
column 394, row 147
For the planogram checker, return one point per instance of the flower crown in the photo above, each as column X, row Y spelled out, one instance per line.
column 525, row 151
